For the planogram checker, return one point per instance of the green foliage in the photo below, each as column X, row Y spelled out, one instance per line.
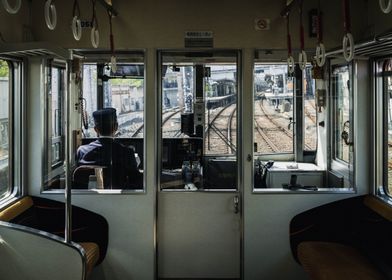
column 4, row 69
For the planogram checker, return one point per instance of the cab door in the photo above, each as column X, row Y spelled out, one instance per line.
column 198, row 201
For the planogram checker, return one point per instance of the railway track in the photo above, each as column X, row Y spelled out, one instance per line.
column 167, row 115
column 213, row 126
column 310, row 116
column 270, row 144
column 230, row 130
column 279, row 127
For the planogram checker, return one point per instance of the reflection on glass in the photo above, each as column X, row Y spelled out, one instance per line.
column 341, row 103
column 389, row 129
column 89, row 97
column 4, row 127
column 199, row 120
column 111, row 156
column 106, row 160
column 273, row 109
column 56, row 114
column 125, row 94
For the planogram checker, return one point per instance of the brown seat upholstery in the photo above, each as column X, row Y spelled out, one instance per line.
column 334, row 261
column 20, row 206
column 92, row 255
column 16, row 209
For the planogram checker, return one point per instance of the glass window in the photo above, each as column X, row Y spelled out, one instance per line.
column 4, row 127
column 273, row 109
column 388, row 125
column 55, row 93
column 341, row 112
column 310, row 112
column 111, row 152
column 125, row 93
column 90, row 96
column 199, row 122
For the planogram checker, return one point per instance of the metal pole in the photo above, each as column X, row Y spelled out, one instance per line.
column 68, row 202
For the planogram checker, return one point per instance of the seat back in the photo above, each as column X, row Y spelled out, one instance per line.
column 82, row 174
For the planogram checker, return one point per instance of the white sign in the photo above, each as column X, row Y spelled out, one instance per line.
column 199, row 34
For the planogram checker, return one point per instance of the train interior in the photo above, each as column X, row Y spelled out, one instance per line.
column 258, row 136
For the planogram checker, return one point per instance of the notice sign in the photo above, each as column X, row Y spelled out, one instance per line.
column 199, row 39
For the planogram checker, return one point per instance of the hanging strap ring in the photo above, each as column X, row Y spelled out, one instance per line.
column 12, row 10
column 385, row 8
column 348, row 47
column 50, row 15
column 94, row 37
column 290, row 64
column 320, row 55
column 302, row 60
column 76, row 28
column 113, row 64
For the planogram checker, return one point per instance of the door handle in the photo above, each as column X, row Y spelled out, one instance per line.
column 236, row 204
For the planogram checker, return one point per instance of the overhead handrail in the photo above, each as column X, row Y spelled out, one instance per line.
column 385, row 8
column 50, row 14
column 348, row 40
column 94, row 36
column 76, row 22
column 9, row 8
column 320, row 49
column 67, row 171
column 302, row 57
column 290, row 59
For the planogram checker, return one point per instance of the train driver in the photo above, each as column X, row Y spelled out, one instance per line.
column 118, row 161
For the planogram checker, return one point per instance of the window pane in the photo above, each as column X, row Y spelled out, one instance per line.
column 127, row 96
column 89, row 98
column 221, row 120
column 341, row 114
column 4, row 128
column 310, row 112
column 111, row 154
column 273, row 109
column 389, row 130
column 199, row 124
column 56, row 114
column 53, row 165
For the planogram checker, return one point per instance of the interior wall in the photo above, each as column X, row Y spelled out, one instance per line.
column 131, row 217
column 14, row 28
column 161, row 24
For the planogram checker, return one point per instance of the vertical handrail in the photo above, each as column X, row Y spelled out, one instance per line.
column 68, row 189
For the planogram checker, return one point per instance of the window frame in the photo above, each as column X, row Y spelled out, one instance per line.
column 380, row 128
column 336, row 165
column 16, row 120
column 176, row 56
column 123, row 57
column 299, row 154
column 52, row 169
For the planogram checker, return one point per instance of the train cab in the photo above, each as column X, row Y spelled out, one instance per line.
column 191, row 140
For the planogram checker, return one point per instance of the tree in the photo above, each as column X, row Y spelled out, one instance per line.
column 4, row 69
